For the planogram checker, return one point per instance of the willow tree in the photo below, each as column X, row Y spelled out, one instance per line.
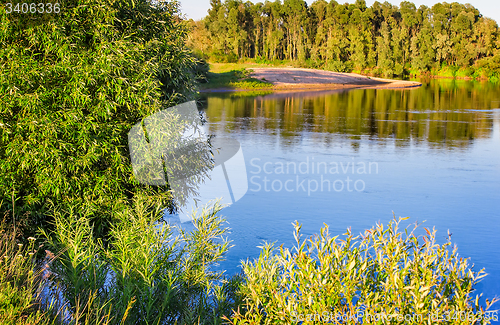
column 72, row 84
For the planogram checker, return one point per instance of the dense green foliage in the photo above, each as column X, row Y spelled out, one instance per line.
column 152, row 274
column 382, row 276
column 72, row 85
column 385, row 38
column 149, row 274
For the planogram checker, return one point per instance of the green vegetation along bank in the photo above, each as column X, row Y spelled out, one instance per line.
column 149, row 275
column 231, row 76
column 447, row 39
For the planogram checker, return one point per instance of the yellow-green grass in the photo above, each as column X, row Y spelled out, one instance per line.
column 234, row 76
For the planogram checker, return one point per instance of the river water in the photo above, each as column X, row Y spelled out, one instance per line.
column 353, row 158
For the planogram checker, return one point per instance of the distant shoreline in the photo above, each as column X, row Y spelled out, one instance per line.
column 314, row 79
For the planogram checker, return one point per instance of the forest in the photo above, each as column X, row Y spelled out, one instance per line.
column 449, row 39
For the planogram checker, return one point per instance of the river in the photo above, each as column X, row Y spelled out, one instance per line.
column 352, row 158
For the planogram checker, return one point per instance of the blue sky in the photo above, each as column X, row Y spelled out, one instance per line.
column 197, row 9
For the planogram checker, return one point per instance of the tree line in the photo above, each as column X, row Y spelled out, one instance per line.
column 342, row 37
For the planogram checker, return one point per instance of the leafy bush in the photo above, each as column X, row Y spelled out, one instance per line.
column 201, row 70
column 220, row 57
column 446, row 71
column 71, row 87
column 488, row 68
column 379, row 276
column 467, row 72
column 311, row 63
column 147, row 274
column 338, row 66
column 399, row 69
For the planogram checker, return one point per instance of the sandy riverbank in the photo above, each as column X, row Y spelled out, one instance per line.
column 286, row 78
column 298, row 79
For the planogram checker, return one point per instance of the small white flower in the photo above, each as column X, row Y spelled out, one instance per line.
column 31, row 238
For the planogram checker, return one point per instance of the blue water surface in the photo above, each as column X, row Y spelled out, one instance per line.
column 436, row 150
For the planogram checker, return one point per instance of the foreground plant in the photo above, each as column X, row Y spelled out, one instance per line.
column 20, row 281
column 147, row 274
column 382, row 276
column 72, row 85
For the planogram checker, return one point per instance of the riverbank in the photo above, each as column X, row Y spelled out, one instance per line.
column 286, row 78
column 238, row 77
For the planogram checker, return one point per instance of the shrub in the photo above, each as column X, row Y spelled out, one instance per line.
column 311, row 63
column 399, row 69
column 466, row 72
column 446, row 71
column 338, row 66
column 147, row 274
column 71, row 87
column 220, row 57
column 375, row 276
column 201, row 70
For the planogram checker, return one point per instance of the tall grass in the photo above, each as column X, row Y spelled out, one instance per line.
column 146, row 275
column 233, row 76
column 152, row 273
column 20, row 280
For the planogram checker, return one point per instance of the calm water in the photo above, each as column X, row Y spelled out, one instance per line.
column 431, row 153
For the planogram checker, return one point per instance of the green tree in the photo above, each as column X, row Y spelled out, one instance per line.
column 72, row 86
column 342, row 36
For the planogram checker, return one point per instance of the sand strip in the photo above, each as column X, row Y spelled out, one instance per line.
column 297, row 78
